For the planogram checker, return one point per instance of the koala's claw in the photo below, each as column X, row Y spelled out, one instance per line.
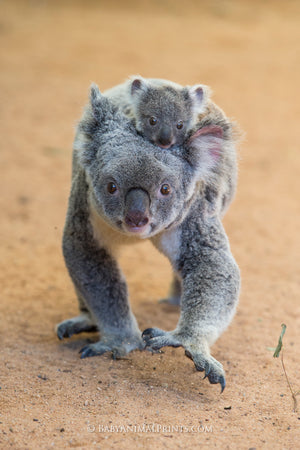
column 155, row 338
column 63, row 332
column 211, row 367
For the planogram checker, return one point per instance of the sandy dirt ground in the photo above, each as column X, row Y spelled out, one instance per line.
column 50, row 52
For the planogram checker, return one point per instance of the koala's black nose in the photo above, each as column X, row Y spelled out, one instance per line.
column 164, row 141
column 136, row 219
column 165, row 137
column 136, row 208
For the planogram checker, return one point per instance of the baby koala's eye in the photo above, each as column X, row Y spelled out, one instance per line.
column 165, row 189
column 112, row 188
column 179, row 125
column 153, row 120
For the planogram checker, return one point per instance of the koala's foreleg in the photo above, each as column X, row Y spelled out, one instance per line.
column 100, row 286
column 99, row 281
column 210, row 281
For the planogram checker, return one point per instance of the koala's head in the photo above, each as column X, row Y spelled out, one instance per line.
column 164, row 113
column 137, row 188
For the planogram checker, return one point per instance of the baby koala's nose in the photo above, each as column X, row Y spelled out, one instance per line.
column 165, row 137
column 164, row 142
column 136, row 219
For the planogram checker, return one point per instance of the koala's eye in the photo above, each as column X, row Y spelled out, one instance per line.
column 153, row 121
column 112, row 188
column 179, row 125
column 165, row 189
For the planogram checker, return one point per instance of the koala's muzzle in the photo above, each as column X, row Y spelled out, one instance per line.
column 165, row 137
column 136, row 213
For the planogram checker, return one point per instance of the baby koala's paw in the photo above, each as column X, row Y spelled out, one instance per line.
column 119, row 347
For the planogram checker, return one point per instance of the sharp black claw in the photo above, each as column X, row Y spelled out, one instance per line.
column 61, row 333
column 223, row 384
column 207, row 370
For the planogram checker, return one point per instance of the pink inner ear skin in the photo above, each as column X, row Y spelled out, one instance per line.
column 214, row 130
column 213, row 133
column 135, row 85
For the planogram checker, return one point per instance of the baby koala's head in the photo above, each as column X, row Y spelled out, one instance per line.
column 164, row 111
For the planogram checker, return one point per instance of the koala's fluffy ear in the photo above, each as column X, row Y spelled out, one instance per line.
column 204, row 148
column 138, row 85
column 99, row 117
column 199, row 94
column 100, row 104
column 104, row 115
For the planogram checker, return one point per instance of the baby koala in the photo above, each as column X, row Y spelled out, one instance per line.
column 162, row 111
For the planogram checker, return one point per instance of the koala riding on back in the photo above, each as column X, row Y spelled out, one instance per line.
column 162, row 111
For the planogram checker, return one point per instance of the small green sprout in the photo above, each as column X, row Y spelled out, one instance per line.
column 276, row 355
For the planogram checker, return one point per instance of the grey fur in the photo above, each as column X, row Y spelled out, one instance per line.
column 125, row 189
column 170, row 104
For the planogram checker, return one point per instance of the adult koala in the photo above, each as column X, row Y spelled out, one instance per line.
column 125, row 189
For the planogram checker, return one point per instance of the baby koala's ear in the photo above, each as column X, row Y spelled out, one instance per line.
column 199, row 93
column 138, row 85
column 204, row 148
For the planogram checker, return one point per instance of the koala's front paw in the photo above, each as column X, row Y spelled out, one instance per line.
column 118, row 348
column 156, row 338
column 213, row 369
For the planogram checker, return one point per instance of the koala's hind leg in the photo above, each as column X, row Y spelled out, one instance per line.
column 75, row 325
column 174, row 293
column 78, row 324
